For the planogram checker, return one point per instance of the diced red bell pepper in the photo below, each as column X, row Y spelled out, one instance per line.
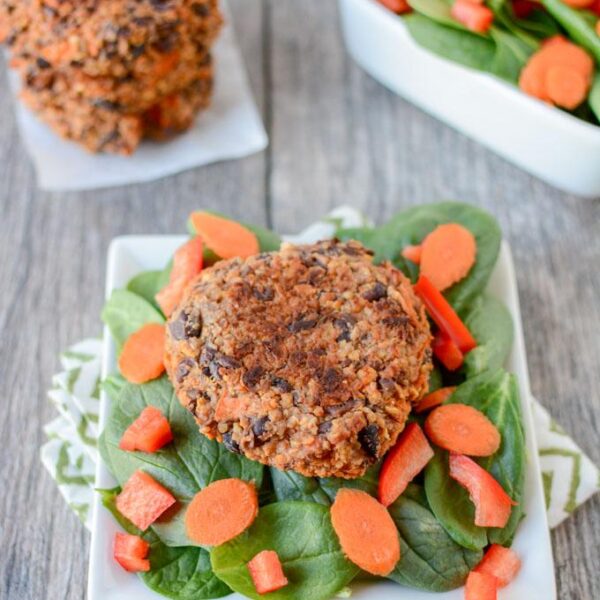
column 148, row 433
column 500, row 562
column 403, row 463
column 130, row 551
column 443, row 315
column 481, row 587
column 492, row 504
column 266, row 572
column 398, row 6
column 595, row 7
column 187, row 263
column 143, row 500
column 472, row 15
column 413, row 253
column 523, row 8
column 447, row 352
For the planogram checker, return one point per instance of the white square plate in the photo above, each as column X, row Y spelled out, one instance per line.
column 130, row 255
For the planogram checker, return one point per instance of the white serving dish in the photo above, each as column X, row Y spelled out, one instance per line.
column 553, row 145
column 108, row 581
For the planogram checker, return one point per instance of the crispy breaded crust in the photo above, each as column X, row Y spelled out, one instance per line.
column 305, row 359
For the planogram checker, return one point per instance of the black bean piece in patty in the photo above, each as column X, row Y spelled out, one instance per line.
column 227, row 361
column 252, row 377
column 377, row 292
column 331, row 380
column 184, row 368
column 230, row 443
column 302, row 325
column 281, row 384
column 368, row 438
column 259, row 426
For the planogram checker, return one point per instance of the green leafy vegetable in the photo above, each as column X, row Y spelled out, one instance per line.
column 113, row 385
column 185, row 466
column 149, row 283
column 178, row 573
column 579, row 24
column 594, row 97
column 410, row 227
column 289, row 485
column 125, row 312
column 491, row 325
column 430, row 559
column 302, row 535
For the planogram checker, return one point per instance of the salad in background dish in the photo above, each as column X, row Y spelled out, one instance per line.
column 550, row 49
column 442, row 506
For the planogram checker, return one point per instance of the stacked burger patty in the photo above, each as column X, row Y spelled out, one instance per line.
column 107, row 73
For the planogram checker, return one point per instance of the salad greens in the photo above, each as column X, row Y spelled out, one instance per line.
column 506, row 47
column 434, row 517
column 302, row 535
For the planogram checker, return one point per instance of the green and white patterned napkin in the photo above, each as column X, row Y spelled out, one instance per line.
column 70, row 455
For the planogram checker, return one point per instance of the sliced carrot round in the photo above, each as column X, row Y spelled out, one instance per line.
column 227, row 239
column 366, row 531
column 221, row 511
column 142, row 357
column 566, row 87
column 447, row 255
column 462, row 429
column 435, row 399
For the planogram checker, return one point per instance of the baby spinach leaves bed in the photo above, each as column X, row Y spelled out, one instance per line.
column 434, row 517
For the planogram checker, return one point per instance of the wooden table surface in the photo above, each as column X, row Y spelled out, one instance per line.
column 336, row 137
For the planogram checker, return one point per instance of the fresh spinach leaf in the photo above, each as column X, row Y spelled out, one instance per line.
column 468, row 49
column 491, row 325
column 496, row 394
column 125, row 312
column 451, row 505
column 113, row 385
column 579, row 24
column 367, row 482
column 438, row 11
column 512, row 52
column 184, row 466
column 289, row 485
column 179, row 573
column 594, row 97
column 410, row 226
column 435, row 380
column 149, row 283
column 430, row 559
column 539, row 23
column 302, row 535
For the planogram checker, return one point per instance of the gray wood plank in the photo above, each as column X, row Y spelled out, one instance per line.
column 53, row 249
column 340, row 137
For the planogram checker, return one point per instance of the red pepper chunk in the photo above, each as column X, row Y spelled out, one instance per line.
column 130, row 551
column 503, row 563
column 403, row 463
column 481, row 587
column 472, row 15
column 447, row 352
column 492, row 504
column 148, row 433
column 443, row 315
column 266, row 572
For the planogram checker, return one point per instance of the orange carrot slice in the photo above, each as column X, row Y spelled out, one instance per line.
column 366, row 531
column 130, row 551
column 400, row 7
column 142, row 500
column 413, row 253
column 227, row 239
column 266, row 572
column 187, row 264
column 472, row 15
column 500, row 562
column 221, row 511
column 142, row 357
column 559, row 72
column 435, row 399
column 403, row 463
column 480, row 587
column 492, row 504
column 463, row 429
column 148, row 433
column 448, row 252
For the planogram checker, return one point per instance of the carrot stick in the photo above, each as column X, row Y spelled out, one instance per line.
column 444, row 315
column 142, row 357
column 366, row 531
column 448, row 253
column 413, row 253
column 227, row 239
column 221, row 511
column 462, row 429
column 500, row 562
column 435, row 399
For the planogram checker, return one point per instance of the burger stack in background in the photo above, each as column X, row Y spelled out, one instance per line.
column 108, row 73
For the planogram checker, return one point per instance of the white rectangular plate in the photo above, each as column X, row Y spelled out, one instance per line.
column 555, row 146
column 130, row 255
